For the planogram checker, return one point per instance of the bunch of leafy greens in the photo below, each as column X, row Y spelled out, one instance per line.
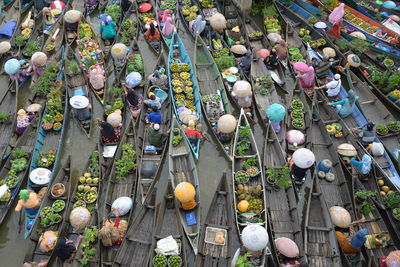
column 135, row 63
column 127, row 163
column 88, row 250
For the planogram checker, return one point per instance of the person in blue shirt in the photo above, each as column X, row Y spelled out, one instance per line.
column 108, row 30
column 346, row 106
column 155, row 116
column 363, row 166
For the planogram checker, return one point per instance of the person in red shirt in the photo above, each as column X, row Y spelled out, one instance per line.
column 152, row 34
column 192, row 134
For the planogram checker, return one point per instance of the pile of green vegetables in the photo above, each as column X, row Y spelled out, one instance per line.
column 30, row 48
column 46, row 81
column 127, row 163
column 87, row 248
column 225, row 62
column 114, row 11
column 135, row 63
column 128, row 30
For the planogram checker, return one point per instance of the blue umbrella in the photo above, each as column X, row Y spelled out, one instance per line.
column 133, row 79
column 12, row 66
column 276, row 112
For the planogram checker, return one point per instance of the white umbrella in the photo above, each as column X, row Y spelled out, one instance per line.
column 227, row 123
column 79, row 102
column 40, row 176
column 303, row 158
column 254, row 237
column 242, row 88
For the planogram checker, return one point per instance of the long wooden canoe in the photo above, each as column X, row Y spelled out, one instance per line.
column 283, row 212
column 182, row 168
column 11, row 16
column 44, row 142
column 73, row 5
column 135, row 249
column 155, row 45
column 261, row 217
column 167, row 223
column 219, row 219
column 150, row 161
column 8, row 107
column 214, row 99
column 159, row 11
column 63, row 177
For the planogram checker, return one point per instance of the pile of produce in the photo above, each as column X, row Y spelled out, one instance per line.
column 88, row 250
column 51, row 215
column 73, row 68
column 90, row 53
column 297, row 108
column 160, row 260
column 189, row 12
column 318, row 43
column 225, row 62
column 263, row 84
column 255, row 35
column 4, row 118
column 19, row 163
column 168, row 4
column 279, row 176
column 47, row 80
column 135, row 64
column 46, row 159
column 88, row 184
column 207, row 3
column 382, row 129
column 335, row 129
column 127, row 163
column 114, row 11
column 31, row 47
column 54, row 109
column 272, row 25
column 385, row 190
column 85, row 31
column 177, row 139
column 146, row 17
column 388, row 81
column 128, row 30
column 243, row 145
column 214, row 107
column 116, row 94
column 182, row 85
column 364, row 197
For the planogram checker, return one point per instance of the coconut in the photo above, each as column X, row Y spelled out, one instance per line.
column 72, row 16
column 39, row 59
column 329, row 52
column 5, row 46
column 239, row 49
column 218, row 22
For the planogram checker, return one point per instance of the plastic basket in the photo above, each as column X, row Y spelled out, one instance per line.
column 210, row 235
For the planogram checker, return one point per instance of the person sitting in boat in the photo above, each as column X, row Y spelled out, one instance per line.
column 186, row 193
column 23, row 121
column 168, row 28
column 158, row 78
column 300, row 162
column 245, row 61
column 30, row 200
column 276, row 114
column 153, row 101
column 108, row 29
column 112, row 233
column 198, row 25
column 18, row 70
column 156, row 137
column 336, row 18
column 81, row 108
column 321, row 68
column 96, row 77
column 152, row 34
column 354, row 242
column 108, row 133
column 306, row 78
column 48, row 16
column 271, row 61
column 65, row 249
column 281, row 50
column 364, row 166
column 38, row 4
column 367, row 134
column 332, row 88
column 346, row 106
column 71, row 20
column 191, row 133
column 154, row 116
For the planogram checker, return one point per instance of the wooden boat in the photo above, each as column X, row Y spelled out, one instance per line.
column 118, row 187
column 284, row 220
column 233, row 19
column 150, row 161
column 25, row 7
column 10, row 16
column 138, row 239
column 244, row 138
column 34, row 254
column 8, row 107
column 185, row 5
column 184, row 58
column 174, row 12
column 219, row 219
column 52, row 140
column 182, row 168
column 25, row 143
column 48, row 27
column 95, row 167
column 100, row 62
column 77, row 85
column 320, row 243
column 131, row 20
column 73, row 5
column 167, row 223
column 211, row 87
column 156, row 45
column 90, row 10
column 259, row 42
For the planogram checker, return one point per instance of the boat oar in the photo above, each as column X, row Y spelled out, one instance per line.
column 53, row 38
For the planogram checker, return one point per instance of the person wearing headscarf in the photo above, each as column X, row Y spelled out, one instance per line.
column 281, row 50
column 152, row 34
column 168, row 28
column 96, row 78
column 332, row 88
column 336, row 18
column 66, row 248
column 158, row 79
column 23, row 121
column 366, row 133
column 245, row 61
column 191, row 133
column 306, row 79
column 197, row 25
column 153, row 101
column 48, row 16
column 346, row 106
column 272, row 60
column 363, row 166
column 108, row 30
column 23, row 73
column 321, row 68
column 108, row 133
column 131, row 97
column 165, row 16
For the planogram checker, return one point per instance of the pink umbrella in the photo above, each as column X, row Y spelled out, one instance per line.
column 337, row 14
column 394, row 17
column 393, row 257
column 287, row 247
column 263, row 53
column 300, row 66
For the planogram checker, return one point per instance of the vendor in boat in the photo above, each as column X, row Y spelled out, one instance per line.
column 39, row 61
column 125, row 4
column 154, row 115
column 23, row 121
column 39, row 4
column 81, row 108
column 321, row 68
column 242, row 94
column 153, row 101
column 96, row 77
column 65, row 249
column 306, row 77
column 301, row 161
column 245, row 61
column 30, row 200
column 367, row 134
column 276, row 114
column 364, row 166
column 108, row 133
column 192, row 133
column 352, row 243
column 159, row 78
column 185, row 193
column 281, row 50
column 108, row 29
column 48, row 16
column 198, row 25
column 17, row 69
column 226, row 127
column 155, row 136
column 72, row 19
column 345, row 107
column 271, row 61
column 332, row 88
column 168, row 28
column 112, row 233
column 336, row 18
column 152, row 34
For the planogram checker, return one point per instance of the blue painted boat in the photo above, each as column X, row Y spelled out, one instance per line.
column 307, row 10
column 358, row 120
column 46, row 140
column 183, row 58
